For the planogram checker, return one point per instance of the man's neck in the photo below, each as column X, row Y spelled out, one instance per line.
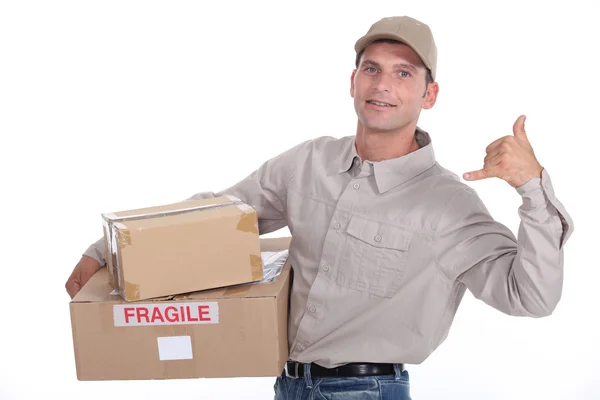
column 379, row 146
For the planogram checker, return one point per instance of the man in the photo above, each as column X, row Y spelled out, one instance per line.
column 385, row 240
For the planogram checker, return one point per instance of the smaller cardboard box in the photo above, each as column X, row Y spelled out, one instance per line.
column 239, row 331
column 182, row 247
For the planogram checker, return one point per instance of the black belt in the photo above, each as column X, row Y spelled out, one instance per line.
column 295, row 369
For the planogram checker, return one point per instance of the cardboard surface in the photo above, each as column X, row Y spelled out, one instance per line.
column 238, row 331
column 182, row 247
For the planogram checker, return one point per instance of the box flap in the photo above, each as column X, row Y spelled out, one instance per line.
column 97, row 289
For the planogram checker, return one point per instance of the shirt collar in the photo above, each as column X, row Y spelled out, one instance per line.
column 396, row 171
column 348, row 156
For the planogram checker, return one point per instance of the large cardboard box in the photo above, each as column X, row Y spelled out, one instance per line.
column 239, row 331
column 182, row 247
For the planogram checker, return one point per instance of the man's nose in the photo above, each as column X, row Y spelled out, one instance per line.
column 383, row 83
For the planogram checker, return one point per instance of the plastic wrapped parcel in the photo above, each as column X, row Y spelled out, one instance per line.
column 273, row 262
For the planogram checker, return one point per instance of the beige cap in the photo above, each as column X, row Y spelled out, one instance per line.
column 407, row 30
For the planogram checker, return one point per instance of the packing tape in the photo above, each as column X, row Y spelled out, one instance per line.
column 256, row 267
column 132, row 291
column 112, row 218
column 248, row 223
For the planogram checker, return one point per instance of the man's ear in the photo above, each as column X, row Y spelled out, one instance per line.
column 352, row 83
column 431, row 96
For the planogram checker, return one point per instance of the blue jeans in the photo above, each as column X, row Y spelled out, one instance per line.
column 382, row 387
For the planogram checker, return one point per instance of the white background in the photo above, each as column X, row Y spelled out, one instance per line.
column 110, row 105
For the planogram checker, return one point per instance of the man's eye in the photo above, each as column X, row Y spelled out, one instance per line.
column 404, row 74
column 371, row 69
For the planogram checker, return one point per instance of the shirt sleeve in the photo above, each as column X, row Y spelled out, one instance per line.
column 521, row 277
column 265, row 189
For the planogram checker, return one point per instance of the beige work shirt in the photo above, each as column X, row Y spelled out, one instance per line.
column 382, row 252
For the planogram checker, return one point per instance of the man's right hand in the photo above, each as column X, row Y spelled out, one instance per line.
column 83, row 271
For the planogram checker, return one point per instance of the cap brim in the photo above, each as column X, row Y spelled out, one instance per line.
column 366, row 40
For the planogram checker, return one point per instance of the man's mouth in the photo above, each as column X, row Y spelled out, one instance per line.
column 380, row 104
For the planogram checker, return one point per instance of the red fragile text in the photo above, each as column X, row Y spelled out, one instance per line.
column 165, row 314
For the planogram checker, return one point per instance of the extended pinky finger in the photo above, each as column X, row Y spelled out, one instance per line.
column 476, row 175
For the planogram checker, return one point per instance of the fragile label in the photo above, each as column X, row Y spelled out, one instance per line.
column 166, row 314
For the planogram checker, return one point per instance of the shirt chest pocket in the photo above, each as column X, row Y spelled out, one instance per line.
column 374, row 257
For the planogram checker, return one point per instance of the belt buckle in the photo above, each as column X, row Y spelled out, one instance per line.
column 287, row 370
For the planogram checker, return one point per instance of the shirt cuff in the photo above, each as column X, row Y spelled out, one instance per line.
column 94, row 253
column 539, row 192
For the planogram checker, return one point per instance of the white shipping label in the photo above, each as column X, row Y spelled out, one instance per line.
column 166, row 314
column 175, row 348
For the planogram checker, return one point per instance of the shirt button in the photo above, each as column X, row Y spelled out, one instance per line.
column 312, row 309
column 377, row 238
column 337, row 225
column 326, row 268
column 356, row 186
column 300, row 347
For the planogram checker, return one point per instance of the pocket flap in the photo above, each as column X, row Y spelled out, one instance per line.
column 378, row 234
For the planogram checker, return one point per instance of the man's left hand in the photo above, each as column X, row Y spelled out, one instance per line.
column 510, row 158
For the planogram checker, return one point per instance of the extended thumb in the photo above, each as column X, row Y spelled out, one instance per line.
column 519, row 128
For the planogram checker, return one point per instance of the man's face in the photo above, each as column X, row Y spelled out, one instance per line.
column 388, row 87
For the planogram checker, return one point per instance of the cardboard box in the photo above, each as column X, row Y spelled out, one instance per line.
column 238, row 331
column 182, row 247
